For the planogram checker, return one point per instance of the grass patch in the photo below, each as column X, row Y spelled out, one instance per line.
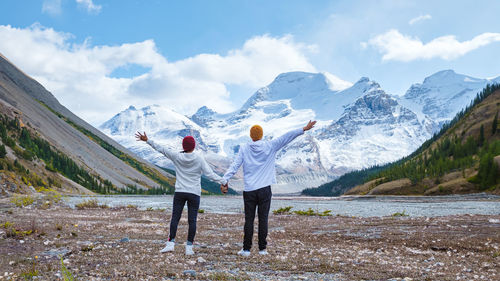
column 30, row 274
column 311, row 212
column 12, row 232
column 66, row 274
column 223, row 276
column 400, row 214
column 90, row 204
column 22, row 201
column 283, row 210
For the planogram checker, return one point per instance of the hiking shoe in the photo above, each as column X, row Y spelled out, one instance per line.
column 263, row 252
column 244, row 253
column 189, row 250
column 169, row 247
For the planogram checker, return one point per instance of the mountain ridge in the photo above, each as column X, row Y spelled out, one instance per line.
column 42, row 112
column 362, row 126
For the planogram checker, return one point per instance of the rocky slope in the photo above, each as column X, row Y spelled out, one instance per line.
column 39, row 110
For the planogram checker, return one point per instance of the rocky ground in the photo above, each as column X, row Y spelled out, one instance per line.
column 124, row 244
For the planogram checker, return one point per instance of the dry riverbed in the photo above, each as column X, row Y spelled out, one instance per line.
column 124, row 244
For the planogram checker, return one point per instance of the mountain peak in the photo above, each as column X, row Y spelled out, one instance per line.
column 131, row 108
column 363, row 80
column 203, row 116
column 294, row 76
column 449, row 76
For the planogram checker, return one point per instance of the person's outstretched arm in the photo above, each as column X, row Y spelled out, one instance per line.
column 283, row 140
column 209, row 173
column 234, row 166
column 143, row 137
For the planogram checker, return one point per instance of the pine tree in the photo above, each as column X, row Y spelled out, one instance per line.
column 494, row 125
column 481, row 135
column 3, row 152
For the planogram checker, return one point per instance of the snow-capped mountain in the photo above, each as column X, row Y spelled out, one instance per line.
column 443, row 94
column 359, row 125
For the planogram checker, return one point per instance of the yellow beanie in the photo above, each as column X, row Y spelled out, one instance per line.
column 256, row 132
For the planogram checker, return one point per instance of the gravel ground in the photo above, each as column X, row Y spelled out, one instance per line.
column 124, row 244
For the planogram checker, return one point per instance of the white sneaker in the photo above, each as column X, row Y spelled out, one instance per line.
column 263, row 252
column 244, row 253
column 169, row 247
column 189, row 250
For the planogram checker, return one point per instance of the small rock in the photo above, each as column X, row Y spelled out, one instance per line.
column 200, row 259
column 12, row 262
column 429, row 259
column 124, row 240
column 189, row 272
column 191, row 262
column 21, row 241
column 439, row 264
column 57, row 252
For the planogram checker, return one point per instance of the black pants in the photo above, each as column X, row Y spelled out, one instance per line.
column 260, row 199
column 193, row 202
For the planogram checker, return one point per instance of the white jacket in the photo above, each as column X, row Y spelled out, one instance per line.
column 258, row 161
column 188, row 168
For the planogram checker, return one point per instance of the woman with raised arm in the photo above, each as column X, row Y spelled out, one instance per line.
column 257, row 158
column 189, row 167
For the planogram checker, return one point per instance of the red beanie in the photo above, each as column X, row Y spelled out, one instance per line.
column 188, row 143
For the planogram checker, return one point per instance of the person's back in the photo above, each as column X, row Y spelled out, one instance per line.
column 189, row 167
column 259, row 157
column 259, row 173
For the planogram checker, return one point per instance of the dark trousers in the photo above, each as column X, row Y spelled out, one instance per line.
column 193, row 202
column 260, row 199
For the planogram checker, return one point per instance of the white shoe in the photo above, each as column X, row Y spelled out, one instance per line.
column 169, row 247
column 189, row 250
column 263, row 252
column 244, row 253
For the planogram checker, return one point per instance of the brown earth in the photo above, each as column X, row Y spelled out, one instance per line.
column 124, row 244
column 451, row 183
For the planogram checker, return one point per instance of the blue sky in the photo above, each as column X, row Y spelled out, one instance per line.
column 99, row 57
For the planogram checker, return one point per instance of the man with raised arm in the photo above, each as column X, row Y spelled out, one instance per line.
column 259, row 173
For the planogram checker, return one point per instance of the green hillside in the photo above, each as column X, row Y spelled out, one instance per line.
column 458, row 159
column 34, row 162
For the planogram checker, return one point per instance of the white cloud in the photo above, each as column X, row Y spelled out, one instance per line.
column 398, row 47
column 89, row 5
column 419, row 18
column 79, row 75
column 52, row 7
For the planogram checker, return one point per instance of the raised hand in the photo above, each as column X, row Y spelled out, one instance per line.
column 140, row 137
column 309, row 125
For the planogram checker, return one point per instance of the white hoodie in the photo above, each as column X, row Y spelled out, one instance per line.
column 258, row 161
column 188, row 168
